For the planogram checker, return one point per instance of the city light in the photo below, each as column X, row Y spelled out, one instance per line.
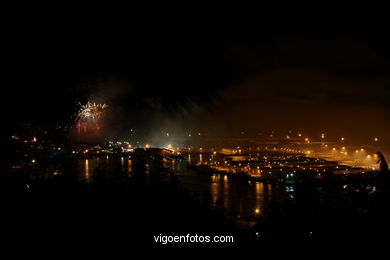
column 290, row 130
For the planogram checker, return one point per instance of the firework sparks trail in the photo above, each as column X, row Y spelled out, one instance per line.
column 87, row 118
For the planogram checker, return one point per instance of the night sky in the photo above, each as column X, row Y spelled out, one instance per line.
column 314, row 70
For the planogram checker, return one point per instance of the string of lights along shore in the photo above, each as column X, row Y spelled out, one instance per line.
column 323, row 146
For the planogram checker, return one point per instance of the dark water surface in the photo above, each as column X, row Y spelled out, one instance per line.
column 239, row 198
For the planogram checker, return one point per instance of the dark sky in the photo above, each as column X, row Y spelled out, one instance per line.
column 312, row 69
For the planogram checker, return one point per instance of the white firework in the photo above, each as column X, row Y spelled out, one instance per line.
column 91, row 111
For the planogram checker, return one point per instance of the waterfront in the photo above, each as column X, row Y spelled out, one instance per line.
column 149, row 191
column 119, row 131
column 315, row 201
column 239, row 199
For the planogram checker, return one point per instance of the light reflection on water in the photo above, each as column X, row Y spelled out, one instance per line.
column 87, row 175
column 129, row 166
column 87, row 168
column 122, row 164
column 259, row 187
column 240, row 198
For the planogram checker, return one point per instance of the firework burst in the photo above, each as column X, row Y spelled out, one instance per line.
column 90, row 112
